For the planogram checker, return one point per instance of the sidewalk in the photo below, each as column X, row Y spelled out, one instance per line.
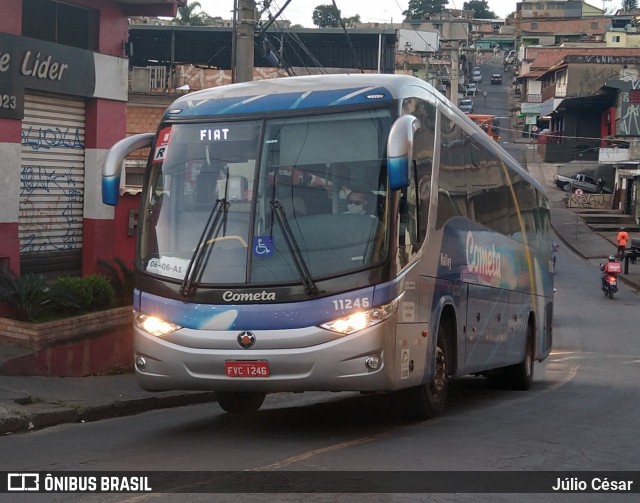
column 31, row 403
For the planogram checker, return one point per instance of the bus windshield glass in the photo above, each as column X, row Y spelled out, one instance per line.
column 265, row 201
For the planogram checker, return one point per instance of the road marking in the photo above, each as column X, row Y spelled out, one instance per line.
column 310, row 454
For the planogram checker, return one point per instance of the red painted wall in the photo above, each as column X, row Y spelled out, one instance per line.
column 11, row 18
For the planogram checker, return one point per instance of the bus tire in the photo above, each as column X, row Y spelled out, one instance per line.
column 427, row 400
column 520, row 376
column 240, row 402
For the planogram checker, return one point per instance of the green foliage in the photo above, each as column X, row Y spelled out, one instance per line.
column 326, row 16
column 92, row 293
column 34, row 299
column 122, row 280
column 77, row 288
column 352, row 21
column 103, row 295
column 31, row 297
column 187, row 15
column 481, row 9
column 418, row 9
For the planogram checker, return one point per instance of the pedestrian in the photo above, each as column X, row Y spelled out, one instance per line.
column 484, row 95
column 623, row 238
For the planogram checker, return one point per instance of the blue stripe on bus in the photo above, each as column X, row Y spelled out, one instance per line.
column 264, row 316
column 284, row 101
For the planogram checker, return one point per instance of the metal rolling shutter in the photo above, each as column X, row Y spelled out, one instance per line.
column 52, row 185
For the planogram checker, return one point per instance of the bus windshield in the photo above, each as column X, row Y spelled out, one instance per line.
column 265, row 201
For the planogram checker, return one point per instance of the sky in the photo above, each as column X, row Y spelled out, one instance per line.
column 373, row 11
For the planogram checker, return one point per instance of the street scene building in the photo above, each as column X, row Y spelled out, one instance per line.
column 77, row 76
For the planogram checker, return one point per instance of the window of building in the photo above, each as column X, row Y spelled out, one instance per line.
column 594, row 24
column 541, row 6
column 615, row 38
column 60, row 23
column 526, row 6
column 534, row 26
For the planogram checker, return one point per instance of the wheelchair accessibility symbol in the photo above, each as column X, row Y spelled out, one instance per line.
column 263, row 246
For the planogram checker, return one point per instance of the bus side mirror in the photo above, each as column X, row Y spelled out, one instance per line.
column 400, row 151
column 112, row 168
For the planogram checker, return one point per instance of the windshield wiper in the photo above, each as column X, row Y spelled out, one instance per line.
column 309, row 286
column 204, row 247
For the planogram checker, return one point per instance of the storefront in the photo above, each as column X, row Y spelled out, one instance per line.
column 61, row 108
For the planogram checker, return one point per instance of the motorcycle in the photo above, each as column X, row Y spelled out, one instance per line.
column 610, row 272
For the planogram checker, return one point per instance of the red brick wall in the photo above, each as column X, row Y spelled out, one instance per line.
column 566, row 26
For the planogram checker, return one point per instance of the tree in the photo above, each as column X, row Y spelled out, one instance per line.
column 418, row 9
column 481, row 9
column 351, row 21
column 629, row 4
column 326, row 16
column 188, row 16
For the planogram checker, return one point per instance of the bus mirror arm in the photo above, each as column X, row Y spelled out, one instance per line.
column 112, row 169
column 400, row 151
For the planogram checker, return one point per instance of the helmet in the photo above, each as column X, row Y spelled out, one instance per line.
column 612, row 258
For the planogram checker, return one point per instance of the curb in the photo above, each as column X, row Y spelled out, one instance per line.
column 49, row 415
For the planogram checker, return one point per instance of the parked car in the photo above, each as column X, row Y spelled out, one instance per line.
column 496, row 78
column 466, row 105
column 580, row 181
column 472, row 89
column 476, row 76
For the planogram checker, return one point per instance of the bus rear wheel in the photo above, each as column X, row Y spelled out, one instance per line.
column 240, row 402
column 427, row 400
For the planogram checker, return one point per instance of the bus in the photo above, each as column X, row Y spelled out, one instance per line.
column 490, row 124
column 252, row 278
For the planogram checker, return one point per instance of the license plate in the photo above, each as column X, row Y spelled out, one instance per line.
column 254, row 368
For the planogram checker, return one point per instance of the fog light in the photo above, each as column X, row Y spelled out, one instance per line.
column 372, row 362
column 141, row 363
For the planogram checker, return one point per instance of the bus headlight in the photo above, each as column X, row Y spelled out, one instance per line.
column 361, row 319
column 154, row 325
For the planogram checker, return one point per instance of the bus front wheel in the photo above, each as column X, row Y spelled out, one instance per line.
column 428, row 400
column 240, row 402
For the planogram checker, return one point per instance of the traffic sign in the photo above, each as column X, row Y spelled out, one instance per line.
column 579, row 192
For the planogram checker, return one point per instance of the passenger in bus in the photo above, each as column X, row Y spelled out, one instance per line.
column 358, row 203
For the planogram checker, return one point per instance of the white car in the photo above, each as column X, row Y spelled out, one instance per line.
column 466, row 105
column 472, row 89
column 476, row 76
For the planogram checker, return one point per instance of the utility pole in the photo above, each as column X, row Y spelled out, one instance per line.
column 453, row 47
column 244, row 23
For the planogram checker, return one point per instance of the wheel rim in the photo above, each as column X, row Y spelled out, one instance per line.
column 529, row 357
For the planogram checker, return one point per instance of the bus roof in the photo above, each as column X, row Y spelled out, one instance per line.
column 293, row 93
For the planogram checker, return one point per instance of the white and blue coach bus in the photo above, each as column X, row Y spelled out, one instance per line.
column 253, row 277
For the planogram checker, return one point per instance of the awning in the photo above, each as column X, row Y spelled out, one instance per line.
column 598, row 101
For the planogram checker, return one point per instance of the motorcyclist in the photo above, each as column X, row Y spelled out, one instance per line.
column 612, row 266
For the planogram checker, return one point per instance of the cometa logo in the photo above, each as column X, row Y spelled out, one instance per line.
column 481, row 260
column 230, row 296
